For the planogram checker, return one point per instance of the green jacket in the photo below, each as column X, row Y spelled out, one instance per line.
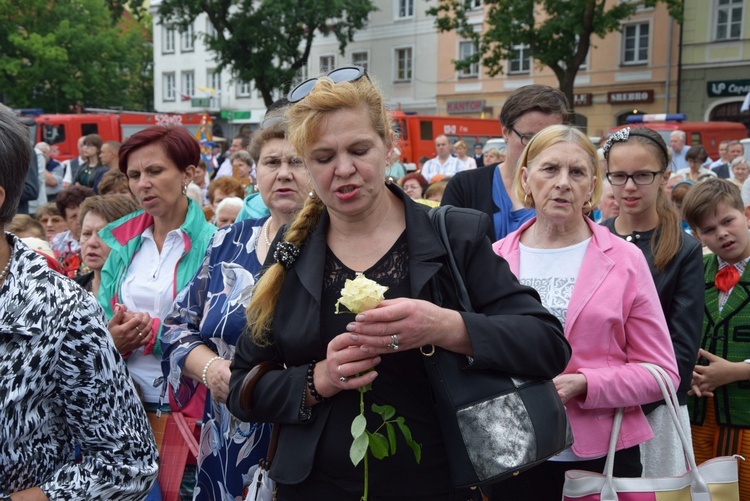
column 726, row 334
column 124, row 238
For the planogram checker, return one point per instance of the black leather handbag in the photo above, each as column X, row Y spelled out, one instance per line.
column 494, row 424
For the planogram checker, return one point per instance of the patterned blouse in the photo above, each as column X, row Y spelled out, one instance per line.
column 210, row 311
column 62, row 385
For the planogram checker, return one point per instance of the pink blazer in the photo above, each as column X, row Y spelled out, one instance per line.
column 614, row 321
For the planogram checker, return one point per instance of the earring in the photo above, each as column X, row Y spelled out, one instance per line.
column 526, row 202
column 590, row 208
column 311, row 195
column 184, row 189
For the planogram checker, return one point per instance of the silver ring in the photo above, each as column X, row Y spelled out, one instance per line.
column 342, row 378
column 140, row 334
column 394, row 342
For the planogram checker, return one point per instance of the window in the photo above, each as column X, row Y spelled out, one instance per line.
column 360, row 59
column 728, row 19
column 475, row 4
column 168, row 47
column 405, row 8
column 214, row 79
column 521, row 60
column 243, row 89
column 635, row 43
column 188, row 84
column 187, row 39
column 403, row 65
column 466, row 50
column 327, row 63
column 169, row 87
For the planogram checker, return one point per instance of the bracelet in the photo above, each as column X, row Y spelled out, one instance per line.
column 311, row 383
column 205, row 369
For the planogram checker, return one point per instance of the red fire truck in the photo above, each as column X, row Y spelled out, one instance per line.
column 61, row 132
column 417, row 133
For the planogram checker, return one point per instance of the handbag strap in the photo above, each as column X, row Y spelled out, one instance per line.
column 437, row 217
column 698, row 484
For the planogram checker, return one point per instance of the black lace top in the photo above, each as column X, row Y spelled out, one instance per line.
column 401, row 382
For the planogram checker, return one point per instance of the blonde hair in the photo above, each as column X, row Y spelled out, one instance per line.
column 460, row 144
column 550, row 136
column 304, row 120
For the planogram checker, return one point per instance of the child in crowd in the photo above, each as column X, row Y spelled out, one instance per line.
column 638, row 170
column 720, row 407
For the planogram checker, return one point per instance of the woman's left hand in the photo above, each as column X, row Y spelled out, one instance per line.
column 570, row 385
column 403, row 323
column 217, row 376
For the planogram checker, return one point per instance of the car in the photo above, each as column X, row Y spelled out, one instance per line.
column 496, row 142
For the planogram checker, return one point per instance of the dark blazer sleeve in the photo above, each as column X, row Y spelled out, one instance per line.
column 685, row 318
column 472, row 189
column 510, row 330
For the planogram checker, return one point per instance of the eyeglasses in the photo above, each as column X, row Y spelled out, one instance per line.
column 643, row 178
column 525, row 138
column 338, row 75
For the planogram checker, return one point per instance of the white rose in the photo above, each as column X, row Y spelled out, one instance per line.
column 361, row 294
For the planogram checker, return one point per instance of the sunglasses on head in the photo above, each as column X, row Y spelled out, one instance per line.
column 338, row 75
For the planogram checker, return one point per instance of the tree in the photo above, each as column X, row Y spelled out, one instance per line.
column 67, row 53
column 269, row 41
column 557, row 32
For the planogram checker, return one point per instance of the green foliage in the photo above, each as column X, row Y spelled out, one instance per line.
column 55, row 55
column 557, row 32
column 378, row 444
column 268, row 41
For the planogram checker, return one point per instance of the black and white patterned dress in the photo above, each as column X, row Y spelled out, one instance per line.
column 62, row 384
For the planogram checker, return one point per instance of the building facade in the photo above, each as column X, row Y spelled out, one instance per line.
column 653, row 65
column 398, row 48
column 634, row 70
column 715, row 70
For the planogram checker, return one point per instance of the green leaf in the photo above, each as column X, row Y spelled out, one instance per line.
column 387, row 411
column 391, row 430
column 358, row 426
column 415, row 447
column 358, row 449
column 378, row 445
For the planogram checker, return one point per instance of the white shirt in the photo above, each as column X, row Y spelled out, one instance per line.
column 148, row 286
column 225, row 169
column 552, row 273
column 433, row 167
column 41, row 165
column 468, row 163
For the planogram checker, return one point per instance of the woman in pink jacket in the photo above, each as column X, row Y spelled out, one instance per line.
column 601, row 290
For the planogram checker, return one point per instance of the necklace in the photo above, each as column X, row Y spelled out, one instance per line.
column 265, row 231
column 573, row 240
column 4, row 273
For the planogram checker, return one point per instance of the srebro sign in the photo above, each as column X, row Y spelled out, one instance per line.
column 724, row 88
column 631, row 96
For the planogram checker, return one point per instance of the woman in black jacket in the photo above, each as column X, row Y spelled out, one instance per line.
column 355, row 224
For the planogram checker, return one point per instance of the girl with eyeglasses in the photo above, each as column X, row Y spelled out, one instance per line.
column 638, row 169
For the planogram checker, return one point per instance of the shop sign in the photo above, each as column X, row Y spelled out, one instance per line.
column 235, row 115
column 630, row 96
column 728, row 88
column 582, row 99
column 467, row 106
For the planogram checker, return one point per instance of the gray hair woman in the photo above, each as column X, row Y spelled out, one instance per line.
column 67, row 384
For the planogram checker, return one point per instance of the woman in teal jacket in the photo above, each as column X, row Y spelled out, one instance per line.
column 155, row 252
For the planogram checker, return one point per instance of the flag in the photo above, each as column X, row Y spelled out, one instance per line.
column 746, row 103
column 204, row 137
column 185, row 97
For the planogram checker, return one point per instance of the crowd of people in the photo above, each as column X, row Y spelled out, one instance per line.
column 152, row 282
